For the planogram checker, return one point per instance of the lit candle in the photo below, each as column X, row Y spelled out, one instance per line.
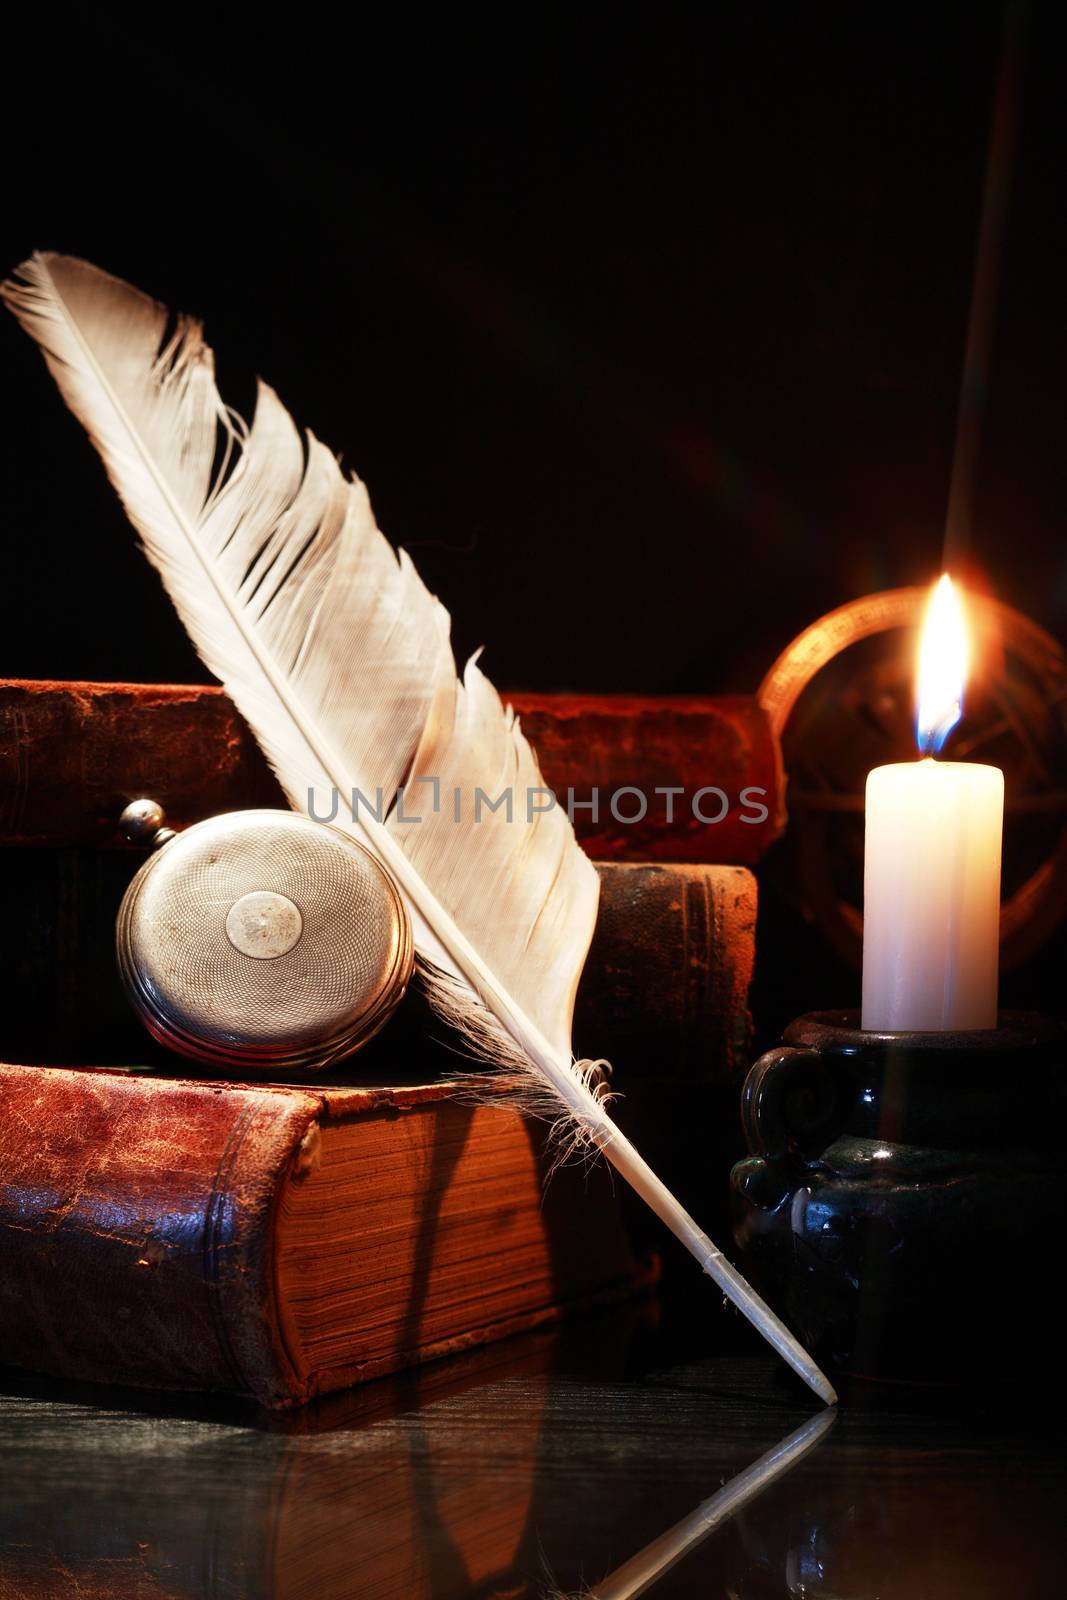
column 931, row 891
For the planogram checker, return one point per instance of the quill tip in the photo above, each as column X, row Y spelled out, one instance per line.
column 825, row 1390
column 802, row 1364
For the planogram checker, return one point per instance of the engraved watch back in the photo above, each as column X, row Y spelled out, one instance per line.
column 263, row 941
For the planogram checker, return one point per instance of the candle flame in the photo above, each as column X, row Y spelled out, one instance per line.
column 943, row 660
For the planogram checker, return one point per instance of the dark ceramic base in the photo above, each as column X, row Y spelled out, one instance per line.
column 904, row 1201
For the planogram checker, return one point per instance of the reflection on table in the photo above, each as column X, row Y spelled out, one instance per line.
column 606, row 1453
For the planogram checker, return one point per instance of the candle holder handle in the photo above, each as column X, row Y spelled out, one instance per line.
column 789, row 1104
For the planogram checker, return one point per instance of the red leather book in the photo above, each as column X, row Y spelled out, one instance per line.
column 281, row 1242
column 73, row 754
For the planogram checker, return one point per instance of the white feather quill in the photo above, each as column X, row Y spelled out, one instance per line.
column 339, row 659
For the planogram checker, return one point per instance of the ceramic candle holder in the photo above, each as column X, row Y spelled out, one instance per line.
column 904, row 1198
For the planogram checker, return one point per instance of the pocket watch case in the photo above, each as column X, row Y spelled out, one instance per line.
column 261, row 942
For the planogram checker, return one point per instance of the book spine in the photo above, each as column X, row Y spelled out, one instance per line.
column 645, row 778
column 136, row 1228
column 665, row 988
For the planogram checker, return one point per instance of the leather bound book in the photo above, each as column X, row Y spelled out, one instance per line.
column 665, row 988
column 281, row 1242
column 73, row 754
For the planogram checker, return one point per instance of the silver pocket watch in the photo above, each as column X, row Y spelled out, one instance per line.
column 260, row 942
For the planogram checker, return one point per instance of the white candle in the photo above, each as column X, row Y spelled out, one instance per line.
column 931, row 932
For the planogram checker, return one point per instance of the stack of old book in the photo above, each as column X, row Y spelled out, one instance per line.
column 170, row 1230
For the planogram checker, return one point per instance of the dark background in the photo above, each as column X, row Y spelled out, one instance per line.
column 646, row 338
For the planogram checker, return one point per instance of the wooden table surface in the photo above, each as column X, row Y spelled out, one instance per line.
column 549, row 1465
